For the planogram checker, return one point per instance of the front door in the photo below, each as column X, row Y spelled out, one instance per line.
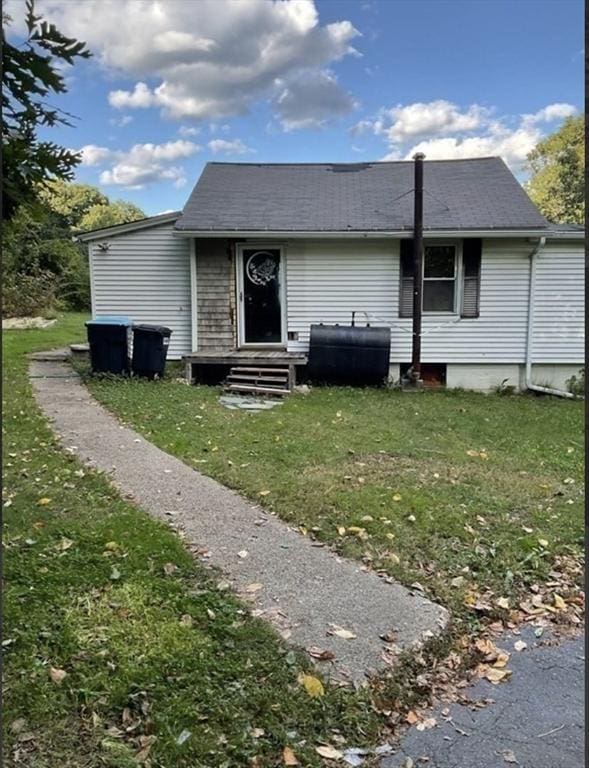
column 261, row 296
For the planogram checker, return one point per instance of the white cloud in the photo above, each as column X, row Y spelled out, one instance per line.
column 552, row 112
column 443, row 130
column 136, row 176
column 140, row 97
column 188, row 130
column 121, row 122
column 241, row 49
column 512, row 145
column 95, row 155
column 234, row 147
column 142, row 164
column 310, row 100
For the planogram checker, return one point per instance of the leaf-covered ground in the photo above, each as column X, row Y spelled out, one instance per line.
column 478, row 498
column 120, row 650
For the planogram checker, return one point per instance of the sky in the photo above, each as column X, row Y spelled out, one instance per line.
column 174, row 84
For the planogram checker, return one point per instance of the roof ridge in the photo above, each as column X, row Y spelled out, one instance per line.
column 361, row 162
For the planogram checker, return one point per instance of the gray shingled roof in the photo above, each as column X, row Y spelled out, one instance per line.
column 322, row 197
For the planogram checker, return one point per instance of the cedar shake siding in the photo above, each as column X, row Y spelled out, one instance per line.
column 215, row 295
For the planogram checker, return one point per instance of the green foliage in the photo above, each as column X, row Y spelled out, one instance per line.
column 39, row 240
column 72, row 201
column 29, row 295
column 109, row 214
column 43, row 267
column 576, row 384
column 557, row 185
column 29, row 75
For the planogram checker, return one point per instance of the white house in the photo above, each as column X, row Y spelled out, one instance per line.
column 262, row 251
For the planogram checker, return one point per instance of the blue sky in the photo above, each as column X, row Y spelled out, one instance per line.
column 177, row 83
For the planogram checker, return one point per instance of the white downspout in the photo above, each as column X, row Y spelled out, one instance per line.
column 529, row 337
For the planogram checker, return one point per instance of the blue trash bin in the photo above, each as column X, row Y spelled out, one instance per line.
column 108, row 338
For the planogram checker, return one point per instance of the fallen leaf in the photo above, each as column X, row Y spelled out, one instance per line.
column 320, row 654
column 44, row 501
column 264, row 493
column 340, row 632
column 425, row 725
column 145, row 743
column 495, row 676
column 341, row 530
column 258, row 732
column 57, row 675
column 458, row 581
column 186, row 620
column 255, row 587
column 543, row 543
column 115, row 574
column 184, row 736
column 502, row 602
column 289, row 757
column 169, row 568
column 312, row 685
column 509, row 756
column 559, row 603
column 502, row 659
column 243, row 553
column 411, row 717
column 331, row 753
column 65, row 544
column 397, row 497
column 520, row 645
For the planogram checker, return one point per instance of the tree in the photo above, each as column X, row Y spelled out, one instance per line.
column 109, row 214
column 29, row 74
column 557, row 185
column 85, row 207
column 72, row 201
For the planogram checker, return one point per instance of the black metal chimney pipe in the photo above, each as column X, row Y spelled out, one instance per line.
column 417, row 268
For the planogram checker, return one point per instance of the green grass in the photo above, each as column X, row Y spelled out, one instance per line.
column 433, row 486
column 148, row 652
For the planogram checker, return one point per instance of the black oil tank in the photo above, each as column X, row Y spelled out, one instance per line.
column 349, row 354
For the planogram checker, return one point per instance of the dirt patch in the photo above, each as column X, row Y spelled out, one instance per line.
column 26, row 323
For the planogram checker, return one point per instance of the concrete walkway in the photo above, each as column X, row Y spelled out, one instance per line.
column 303, row 589
column 536, row 719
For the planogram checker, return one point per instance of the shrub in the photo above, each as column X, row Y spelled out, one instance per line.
column 26, row 295
column 576, row 384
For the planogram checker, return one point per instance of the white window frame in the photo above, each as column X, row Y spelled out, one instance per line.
column 241, row 342
column 457, row 279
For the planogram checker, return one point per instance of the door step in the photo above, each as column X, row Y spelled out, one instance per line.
column 258, row 380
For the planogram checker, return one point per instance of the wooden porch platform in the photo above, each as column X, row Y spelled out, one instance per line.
column 245, row 357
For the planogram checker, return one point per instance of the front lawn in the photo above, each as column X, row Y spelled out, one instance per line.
column 119, row 649
column 475, row 497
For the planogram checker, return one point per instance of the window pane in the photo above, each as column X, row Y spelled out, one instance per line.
column 439, row 261
column 438, row 295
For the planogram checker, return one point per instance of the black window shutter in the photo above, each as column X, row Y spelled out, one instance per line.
column 406, row 281
column 471, row 276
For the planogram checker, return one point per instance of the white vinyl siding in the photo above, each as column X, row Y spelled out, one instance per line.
column 327, row 280
column 145, row 274
column 559, row 314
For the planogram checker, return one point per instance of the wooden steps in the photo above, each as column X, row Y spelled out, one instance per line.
column 259, row 380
